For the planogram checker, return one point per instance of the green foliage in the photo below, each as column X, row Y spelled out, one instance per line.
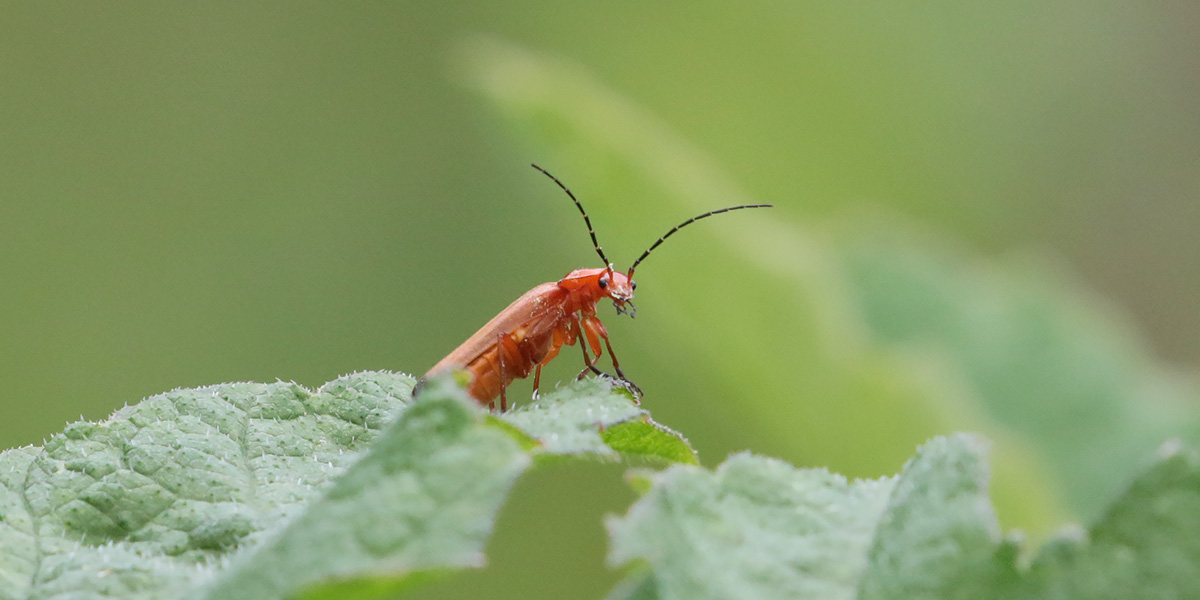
column 148, row 502
column 1037, row 353
column 841, row 341
column 357, row 491
column 756, row 528
column 1144, row 546
column 422, row 499
column 258, row 490
column 196, row 193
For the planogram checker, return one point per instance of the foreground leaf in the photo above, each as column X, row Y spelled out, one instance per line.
column 755, row 528
column 939, row 536
column 423, row 498
column 589, row 417
column 257, row 490
column 146, row 503
column 759, row 529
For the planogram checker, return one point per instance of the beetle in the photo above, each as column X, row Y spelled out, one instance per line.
column 531, row 331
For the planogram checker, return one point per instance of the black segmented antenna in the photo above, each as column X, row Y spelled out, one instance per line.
column 586, row 220
column 685, row 224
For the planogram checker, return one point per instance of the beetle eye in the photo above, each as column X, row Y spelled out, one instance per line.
column 632, row 285
column 603, row 282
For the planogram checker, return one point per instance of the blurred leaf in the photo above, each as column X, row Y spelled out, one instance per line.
column 1145, row 545
column 1046, row 358
column 639, row 586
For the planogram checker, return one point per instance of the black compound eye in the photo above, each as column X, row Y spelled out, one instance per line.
column 632, row 285
column 603, row 282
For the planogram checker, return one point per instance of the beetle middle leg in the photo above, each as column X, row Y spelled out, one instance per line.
column 508, row 365
column 537, row 373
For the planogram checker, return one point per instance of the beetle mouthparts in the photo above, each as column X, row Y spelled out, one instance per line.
column 626, row 308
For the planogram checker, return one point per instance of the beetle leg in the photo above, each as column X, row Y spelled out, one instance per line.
column 621, row 381
column 635, row 389
column 537, row 377
column 595, row 331
column 500, row 373
column 591, row 365
column 508, row 362
column 537, row 374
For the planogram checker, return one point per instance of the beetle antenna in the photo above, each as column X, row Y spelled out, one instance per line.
column 586, row 220
column 685, row 224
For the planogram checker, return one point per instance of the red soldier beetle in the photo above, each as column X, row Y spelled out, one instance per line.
column 531, row 331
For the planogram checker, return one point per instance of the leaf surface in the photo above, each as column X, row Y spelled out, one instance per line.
column 259, row 490
column 754, row 528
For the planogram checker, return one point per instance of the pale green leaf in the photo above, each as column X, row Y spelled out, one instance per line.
column 423, row 498
column 754, row 528
column 938, row 537
column 757, row 528
column 1146, row 545
column 258, row 490
column 588, row 416
column 149, row 502
column 639, row 586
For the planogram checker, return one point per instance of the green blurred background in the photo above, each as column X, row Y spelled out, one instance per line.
column 981, row 210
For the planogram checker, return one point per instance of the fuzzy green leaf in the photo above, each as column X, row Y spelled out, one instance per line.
column 759, row 529
column 588, row 417
column 148, row 502
column 939, row 535
column 565, row 423
column 755, row 528
column 423, row 498
column 258, row 490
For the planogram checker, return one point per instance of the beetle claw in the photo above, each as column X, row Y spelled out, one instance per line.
column 620, row 381
column 629, row 386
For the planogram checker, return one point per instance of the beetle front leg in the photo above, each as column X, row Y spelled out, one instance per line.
column 594, row 330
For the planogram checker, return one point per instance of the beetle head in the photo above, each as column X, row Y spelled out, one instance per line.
column 619, row 287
